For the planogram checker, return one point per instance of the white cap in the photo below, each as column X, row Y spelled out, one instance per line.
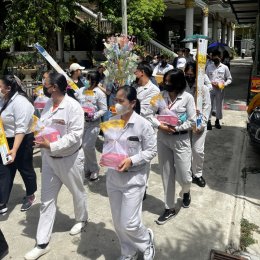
column 181, row 63
column 76, row 66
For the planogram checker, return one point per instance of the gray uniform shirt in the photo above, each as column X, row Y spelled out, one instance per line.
column 220, row 73
column 139, row 140
column 69, row 120
column 183, row 104
column 18, row 115
column 144, row 95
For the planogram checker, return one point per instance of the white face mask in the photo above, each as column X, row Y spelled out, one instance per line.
column 120, row 109
column 2, row 95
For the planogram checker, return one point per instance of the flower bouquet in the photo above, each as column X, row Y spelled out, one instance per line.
column 121, row 60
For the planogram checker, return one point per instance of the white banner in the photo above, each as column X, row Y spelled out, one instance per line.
column 201, row 63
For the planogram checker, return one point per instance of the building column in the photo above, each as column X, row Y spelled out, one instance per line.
column 232, row 35
column 189, row 4
column 228, row 34
column 205, row 21
column 215, row 28
column 223, row 31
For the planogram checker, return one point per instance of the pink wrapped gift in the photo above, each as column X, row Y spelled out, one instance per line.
column 112, row 160
column 168, row 119
column 40, row 102
column 39, row 105
column 48, row 133
column 89, row 110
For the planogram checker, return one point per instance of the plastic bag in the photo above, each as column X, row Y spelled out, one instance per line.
column 38, row 91
column 48, row 133
column 166, row 116
column 40, row 102
column 41, row 131
column 113, row 152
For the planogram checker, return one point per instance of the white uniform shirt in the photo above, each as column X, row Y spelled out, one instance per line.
column 218, row 74
column 144, row 95
column 183, row 104
column 207, row 82
column 206, row 102
column 99, row 102
column 69, row 120
column 139, row 140
column 160, row 70
column 18, row 115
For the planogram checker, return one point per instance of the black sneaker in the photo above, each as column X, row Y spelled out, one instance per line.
column 199, row 181
column 3, row 210
column 186, row 200
column 4, row 251
column 209, row 126
column 28, row 202
column 217, row 124
column 144, row 197
column 167, row 215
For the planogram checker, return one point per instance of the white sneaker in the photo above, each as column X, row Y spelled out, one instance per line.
column 77, row 228
column 149, row 252
column 93, row 176
column 129, row 257
column 36, row 253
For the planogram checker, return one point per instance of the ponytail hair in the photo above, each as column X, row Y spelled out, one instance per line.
column 16, row 86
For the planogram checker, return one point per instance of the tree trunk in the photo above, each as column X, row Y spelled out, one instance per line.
column 51, row 45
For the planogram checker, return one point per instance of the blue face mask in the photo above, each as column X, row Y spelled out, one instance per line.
column 85, row 83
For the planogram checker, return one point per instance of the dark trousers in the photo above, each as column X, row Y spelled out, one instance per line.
column 24, row 164
column 3, row 244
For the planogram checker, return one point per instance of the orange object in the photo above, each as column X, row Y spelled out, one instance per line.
column 255, row 84
column 159, row 79
column 112, row 109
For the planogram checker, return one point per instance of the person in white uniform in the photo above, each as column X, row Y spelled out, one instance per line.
column 174, row 148
column 126, row 186
column 162, row 67
column 62, row 162
column 198, row 136
column 145, row 91
column 217, row 73
column 16, row 114
column 92, row 125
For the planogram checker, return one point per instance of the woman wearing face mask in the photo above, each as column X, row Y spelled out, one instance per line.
column 198, row 136
column 16, row 113
column 126, row 186
column 96, row 98
column 174, row 149
column 62, row 162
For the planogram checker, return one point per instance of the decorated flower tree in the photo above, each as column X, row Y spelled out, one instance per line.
column 121, row 60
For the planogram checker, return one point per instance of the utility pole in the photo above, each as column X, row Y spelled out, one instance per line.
column 124, row 17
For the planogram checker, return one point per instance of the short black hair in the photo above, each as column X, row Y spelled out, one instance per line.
column 187, row 49
column 59, row 80
column 177, row 79
column 190, row 66
column 146, row 68
column 216, row 53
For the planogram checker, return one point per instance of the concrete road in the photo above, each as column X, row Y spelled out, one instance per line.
column 212, row 221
